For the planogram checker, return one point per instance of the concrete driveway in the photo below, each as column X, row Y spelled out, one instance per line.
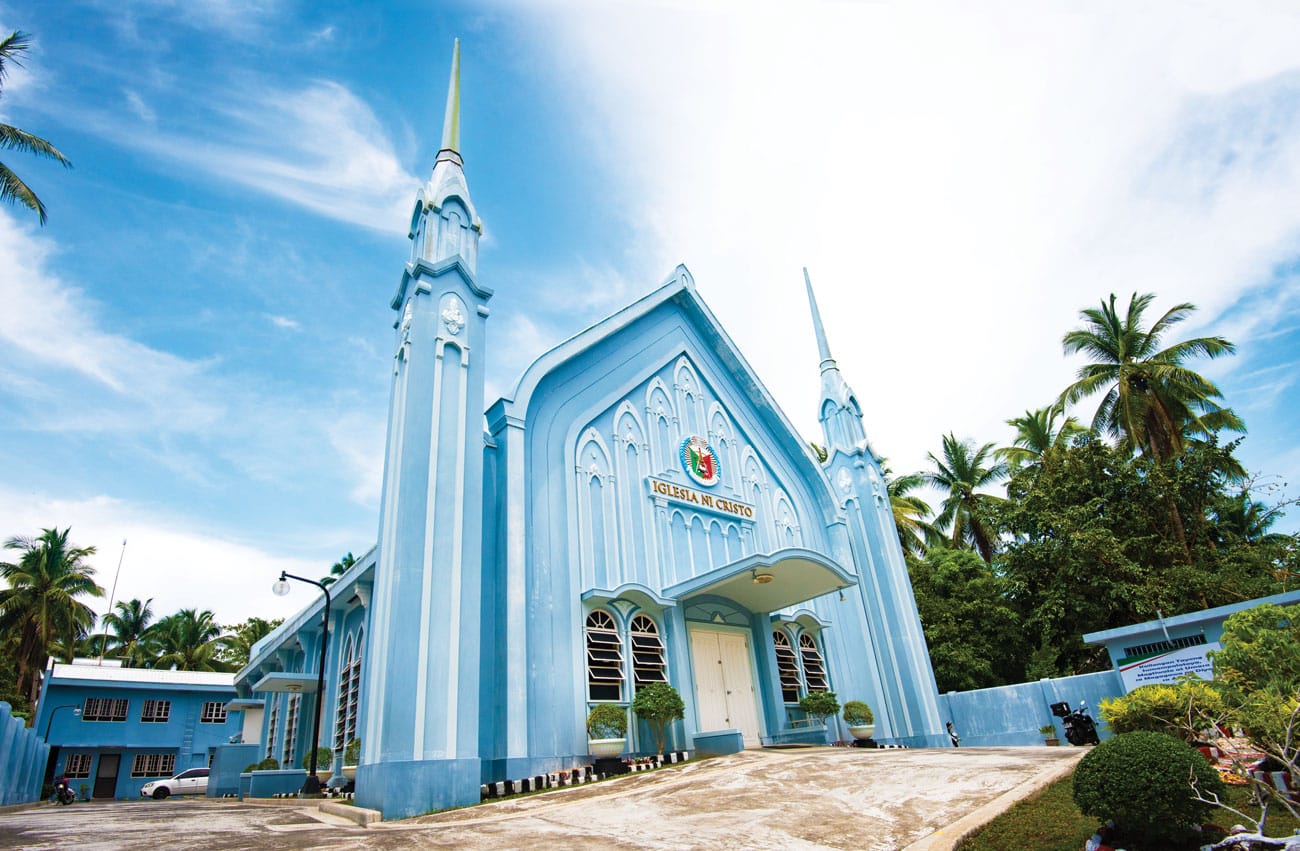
column 795, row 799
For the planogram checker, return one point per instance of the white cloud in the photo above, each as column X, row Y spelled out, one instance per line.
column 166, row 557
column 284, row 322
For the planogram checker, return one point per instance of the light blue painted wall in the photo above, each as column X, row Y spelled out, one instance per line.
column 23, row 755
column 1011, row 715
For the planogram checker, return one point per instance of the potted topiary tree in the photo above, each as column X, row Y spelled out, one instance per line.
column 1049, row 735
column 819, row 705
column 658, row 704
column 606, row 730
column 861, row 720
column 351, row 756
column 324, row 758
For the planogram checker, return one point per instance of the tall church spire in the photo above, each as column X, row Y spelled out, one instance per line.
column 444, row 225
column 840, row 415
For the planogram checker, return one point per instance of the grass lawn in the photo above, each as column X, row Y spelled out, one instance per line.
column 1050, row 821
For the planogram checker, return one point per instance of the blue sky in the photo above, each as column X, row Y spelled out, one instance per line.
column 194, row 350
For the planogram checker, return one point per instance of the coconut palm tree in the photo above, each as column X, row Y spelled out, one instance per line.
column 1150, row 401
column 961, row 473
column 41, row 603
column 337, row 569
column 238, row 646
column 190, row 640
column 1036, row 432
column 910, row 511
column 12, row 189
column 131, row 636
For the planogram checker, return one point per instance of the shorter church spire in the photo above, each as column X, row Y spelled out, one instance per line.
column 840, row 415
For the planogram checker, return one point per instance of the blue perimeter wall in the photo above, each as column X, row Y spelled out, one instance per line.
column 1011, row 715
column 22, row 760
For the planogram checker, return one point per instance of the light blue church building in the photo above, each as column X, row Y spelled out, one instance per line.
column 637, row 510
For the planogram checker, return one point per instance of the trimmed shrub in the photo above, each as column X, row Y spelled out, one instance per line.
column 1141, row 781
column 658, row 704
column 324, row 758
column 607, row 721
column 352, row 752
column 820, row 705
column 857, row 713
column 252, row 766
column 269, row 764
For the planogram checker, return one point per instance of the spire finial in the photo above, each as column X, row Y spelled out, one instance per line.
column 823, row 348
column 451, row 120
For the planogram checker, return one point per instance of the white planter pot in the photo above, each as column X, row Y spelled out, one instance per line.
column 862, row 731
column 604, row 748
column 349, row 771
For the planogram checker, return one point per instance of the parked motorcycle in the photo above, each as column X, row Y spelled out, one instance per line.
column 63, row 792
column 1080, row 729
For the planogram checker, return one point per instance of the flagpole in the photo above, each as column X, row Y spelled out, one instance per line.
column 103, row 640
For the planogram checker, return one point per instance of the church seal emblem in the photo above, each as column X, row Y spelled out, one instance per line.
column 700, row 461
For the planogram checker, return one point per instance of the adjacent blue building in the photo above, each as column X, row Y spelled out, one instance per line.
column 113, row 729
column 638, row 509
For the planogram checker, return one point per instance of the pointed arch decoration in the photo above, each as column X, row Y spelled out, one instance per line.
column 661, row 419
column 596, row 512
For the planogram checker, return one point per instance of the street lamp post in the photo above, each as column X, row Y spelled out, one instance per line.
column 311, row 787
column 76, row 707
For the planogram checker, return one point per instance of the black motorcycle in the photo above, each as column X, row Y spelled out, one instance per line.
column 63, row 792
column 1080, row 729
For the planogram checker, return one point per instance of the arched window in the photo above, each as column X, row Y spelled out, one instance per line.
column 604, row 658
column 814, row 669
column 647, row 653
column 787, row 667
column 345, row 720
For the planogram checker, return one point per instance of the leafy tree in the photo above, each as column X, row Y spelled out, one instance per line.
column 910, row 511
column 961, row 473
column 238, row 646
column 130, row 625
column 12, row 188
column 41, row 602
column 820, row 705
column 1151, row 402
column 658, row 704
column 971, row 624
column 337, row 569
column 190, row 640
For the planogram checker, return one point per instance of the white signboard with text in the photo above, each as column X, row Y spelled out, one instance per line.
column 1167, row 667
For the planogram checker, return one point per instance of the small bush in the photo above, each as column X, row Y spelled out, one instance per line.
column 1141, row 781
column 324, row 758
column 857, row 713
column 820, row 705
column 607, row 721
column 352, row 752
column 658, row 704
column 1176, row 709
column 269, row 764
column 252, row 766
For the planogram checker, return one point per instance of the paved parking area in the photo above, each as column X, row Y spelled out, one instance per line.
column 834, row 798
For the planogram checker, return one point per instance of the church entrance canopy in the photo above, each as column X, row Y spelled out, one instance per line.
column 768, row 583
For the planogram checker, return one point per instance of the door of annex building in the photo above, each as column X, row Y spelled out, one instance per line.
column 724, row 684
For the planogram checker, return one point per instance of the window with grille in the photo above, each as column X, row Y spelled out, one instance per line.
column 104, row 709
column 290, row 731
column 156, row 711
column 271, row 727
column 647, row 652
column 787, row 666
column 345, row 718
column 214, row 712
column 77, row 765
column 153, row 765
column 814, row 669
column 604, row 658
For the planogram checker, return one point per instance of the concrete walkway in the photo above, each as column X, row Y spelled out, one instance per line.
column 835, row 798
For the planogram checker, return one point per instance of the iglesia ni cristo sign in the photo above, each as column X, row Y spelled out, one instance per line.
column 699, row 499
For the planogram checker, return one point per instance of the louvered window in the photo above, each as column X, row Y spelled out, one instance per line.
column 647, row 652
column 271, row 726
column 814, row 669
column 345, row 718
column 290, row 731
column 787, row 667
column 604, row 658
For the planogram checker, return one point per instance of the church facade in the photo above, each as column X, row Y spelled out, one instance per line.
column 638, row 510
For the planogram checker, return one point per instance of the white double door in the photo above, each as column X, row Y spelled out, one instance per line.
column 724, row 683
